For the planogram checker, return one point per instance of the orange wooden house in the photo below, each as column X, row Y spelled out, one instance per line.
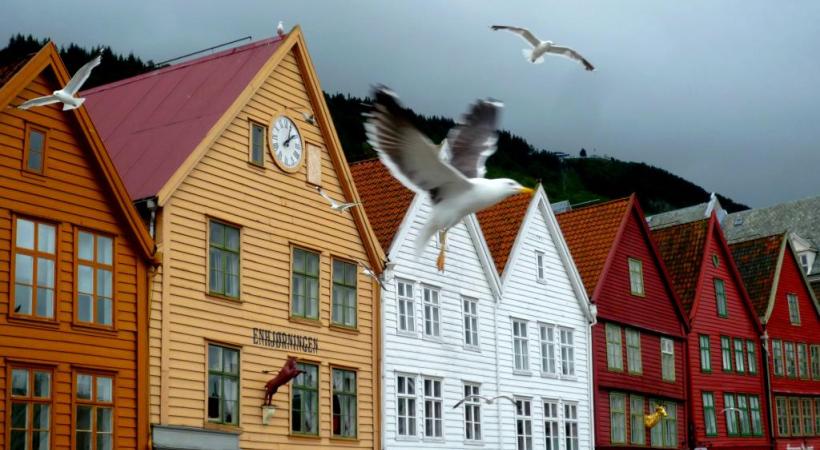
column 74, row 267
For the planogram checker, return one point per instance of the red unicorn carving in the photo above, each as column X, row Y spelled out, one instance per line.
column 287, row 373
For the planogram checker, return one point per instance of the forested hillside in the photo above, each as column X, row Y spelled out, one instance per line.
column 567, row 174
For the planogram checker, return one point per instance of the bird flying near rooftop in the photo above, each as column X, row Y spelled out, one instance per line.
column 539, row 48
column 67, row 94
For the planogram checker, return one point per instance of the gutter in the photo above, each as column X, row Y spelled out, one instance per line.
column 767, row 385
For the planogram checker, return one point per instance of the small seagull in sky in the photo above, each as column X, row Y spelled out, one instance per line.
column 487, row 400
column 334, row 205
column 67, row 94
column 535, row 54
column 280, row 29
column 367, row 270
column 308, row 116
column 451, row 174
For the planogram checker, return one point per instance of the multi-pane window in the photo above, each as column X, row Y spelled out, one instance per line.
column 817, row 415
column 552, row 437
column 794, row 415
column 739, row 358
column 636, row 277
column 791, row 365
column 432, row 312
column 35, row 150
column 782, row 407
column 223, row 384
column 665, row 433
column 633, row 351
column 754, row 412
column 257, row 144
column 548, row 364
column 344, row 293
column 523, row 424
column 95, row 278
column 407, row 307
column 406, row 400
column 304, row 411
column 705, row 354
column 794, row 309
column 731, row 415
column 720, row 297
column 751, row 354
column 30, row 395
column 637, row 431
column 668, row 359
column 726, row 353
column 808, row 423
column 223, row 259
column 743, row 413
column 815, row 361
column 470, row 310
column 305, row 284
column 520, row 347
column 571, row 426
column 777, row 357
column 802, row 361
column 94, row 418
column 344, row 403
column 709, row 417
column 539, row 266
column 617, row 418
column 433, row 414
column 34, row 268
column 614, row 355
column 472, row 412
column 567, row 353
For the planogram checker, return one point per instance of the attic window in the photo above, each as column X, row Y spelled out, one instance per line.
column 35, row 150
column 539, row 262
column 715, row 261
column 636, row 277
column 257, row 144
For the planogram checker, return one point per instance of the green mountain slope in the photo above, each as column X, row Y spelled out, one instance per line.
column 577, row 179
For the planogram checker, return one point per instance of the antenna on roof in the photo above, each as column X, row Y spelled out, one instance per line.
column 246, row 38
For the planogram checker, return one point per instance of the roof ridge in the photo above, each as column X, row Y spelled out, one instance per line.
column 362, row 161
column 182, row 65
column 596, row 205
column 673, row 225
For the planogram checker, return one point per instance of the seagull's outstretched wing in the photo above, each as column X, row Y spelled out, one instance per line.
column 39, row 101
column 473, row 141
column 571, row 54
column 523, row 32
column 79, row 78
column 332, row 202
column 407, row 153
column 506, row 397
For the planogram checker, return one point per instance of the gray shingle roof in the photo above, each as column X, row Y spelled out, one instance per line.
column 685, row 215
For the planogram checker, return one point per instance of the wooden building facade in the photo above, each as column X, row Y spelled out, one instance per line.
column 224, row 160
column 639, row 343
column 75, row 262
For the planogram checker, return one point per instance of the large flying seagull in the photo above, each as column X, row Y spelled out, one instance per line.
column 535, row 54
column 67, row 94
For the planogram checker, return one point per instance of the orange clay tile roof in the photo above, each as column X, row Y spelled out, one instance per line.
column 500, row 224
column 384, row 198
column 590, row 233
column 756, row 260
column 681, row 247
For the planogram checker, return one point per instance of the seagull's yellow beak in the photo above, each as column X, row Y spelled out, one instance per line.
column 525, row 190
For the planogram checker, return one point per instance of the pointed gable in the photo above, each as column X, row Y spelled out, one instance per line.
column 757, row 261
column 682, row 247
column 385, row 200
column 501, row 224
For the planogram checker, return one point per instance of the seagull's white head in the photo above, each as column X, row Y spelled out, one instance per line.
column 507, row 187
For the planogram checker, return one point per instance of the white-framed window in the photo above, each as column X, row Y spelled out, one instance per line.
column 552, row 428
column 571, row 426
column 548, row 343
column 540, row 271
column 634, row 362
column 794, row 309
column 668, row 359
column 520, row 348
column 523, row 423
column 406, row 405
column 472, row 412
column 614, row 353
column 567, row 352
column 433, row 414
column 617, row 418
column 432, row 312
column 407, row 306
column 470, row 310
column 636, row 276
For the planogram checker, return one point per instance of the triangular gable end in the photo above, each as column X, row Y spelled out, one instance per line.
column 788, row 247
column 48, row 58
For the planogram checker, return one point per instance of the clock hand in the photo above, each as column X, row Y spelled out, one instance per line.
column 287, row 141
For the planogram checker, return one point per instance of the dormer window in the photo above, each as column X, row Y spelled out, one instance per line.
column 35, row 150
column 807, row 261
column 636, row 276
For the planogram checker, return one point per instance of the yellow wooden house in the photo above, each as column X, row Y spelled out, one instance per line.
column 224, row 157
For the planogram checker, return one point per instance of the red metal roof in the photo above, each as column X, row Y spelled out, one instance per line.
column 756, row 261
column 152, row 122
column 590, row 233
column 500, row 224
column 384, row 198
column 682, row 247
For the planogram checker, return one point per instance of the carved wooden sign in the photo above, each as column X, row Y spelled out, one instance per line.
column 279, row 339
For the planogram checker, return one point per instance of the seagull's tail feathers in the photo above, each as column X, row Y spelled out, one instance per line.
column 423, row 238
column 527, row 52
column 68, row 106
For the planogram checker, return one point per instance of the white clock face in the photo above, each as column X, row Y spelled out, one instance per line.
column 286, row 143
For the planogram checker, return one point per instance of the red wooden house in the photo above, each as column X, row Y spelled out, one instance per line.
column 727, row 401
column 639, row 342
column 790, row 315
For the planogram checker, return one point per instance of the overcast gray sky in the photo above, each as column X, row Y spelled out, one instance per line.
column 724, row 93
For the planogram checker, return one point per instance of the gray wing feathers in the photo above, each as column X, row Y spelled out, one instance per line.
column 474, row 140
column 523, row 32
column 39, row 101
column 571, row 54
column 79, row 78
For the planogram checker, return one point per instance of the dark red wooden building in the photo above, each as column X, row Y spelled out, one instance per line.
column 727, row 400
column 639, row 342
column 790, row 315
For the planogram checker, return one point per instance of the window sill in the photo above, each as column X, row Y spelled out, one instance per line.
column 474, row 443
column 33, row 321
column 34, row 176
column 472, row 348
column 407, row 438
column 256, row 166
column 221, row 298
column 222, row 427
column 343, row 439
column 409, row 334
column 94, row 328
column 541, row 281
column 309, row 436
column 438, row 339
column 312, row 322
column 525, row 373
column 343, row 329
column 437, row 440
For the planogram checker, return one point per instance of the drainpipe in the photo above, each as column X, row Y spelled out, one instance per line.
column 767, row 385
column 497, row 371
column 151, row 204
column 590, row 385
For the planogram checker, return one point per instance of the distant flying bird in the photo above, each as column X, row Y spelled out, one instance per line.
column 487, row 400
column 308, row 116
column 456, row 185
column 67, row 94
column 334, row 205
column 280, row 29
column 535, row 54
column 367, row 270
